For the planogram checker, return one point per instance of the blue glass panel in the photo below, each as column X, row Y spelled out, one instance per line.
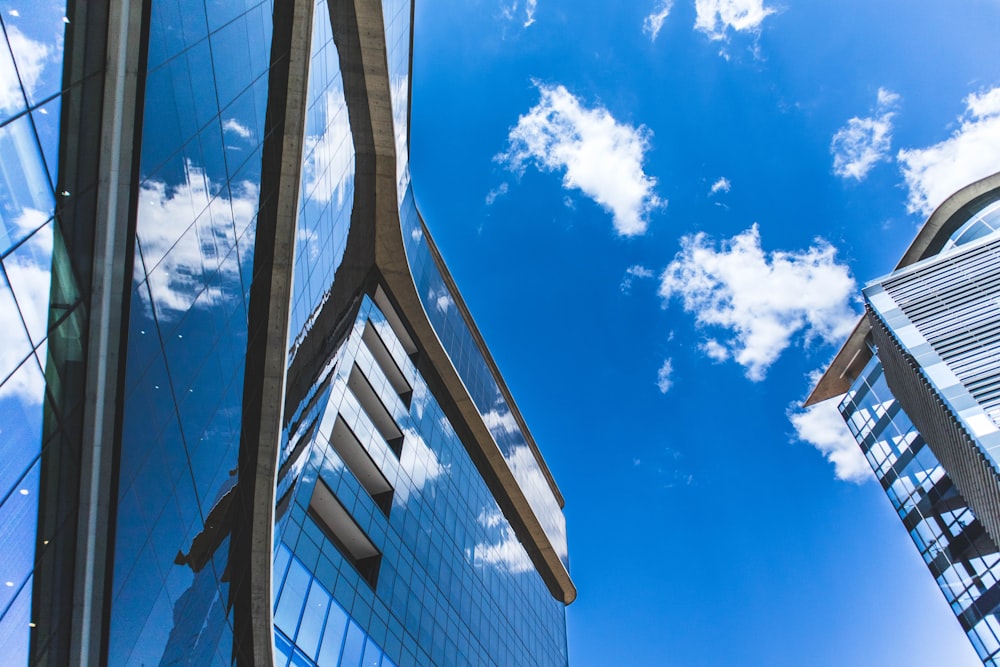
column 373, row 655
column 333, row 636
column 292, row 597
column 313, row 615
column 354, row 645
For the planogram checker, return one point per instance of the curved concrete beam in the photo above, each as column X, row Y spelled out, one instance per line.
column 376, row 256
column 252, row 514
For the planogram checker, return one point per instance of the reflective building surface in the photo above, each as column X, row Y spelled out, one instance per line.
column 246, row 415
column 922, row 374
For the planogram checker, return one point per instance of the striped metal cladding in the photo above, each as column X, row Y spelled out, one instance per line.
column 966, row 464
column 955, row 304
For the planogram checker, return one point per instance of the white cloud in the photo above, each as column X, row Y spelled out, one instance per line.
column 714, row 350
column 822, row 427
column 863, row 142
column 329, row 163
column 496, row 192
column 185, row 234
column 237, row 128
column 633, row 272
column 31, row 57
column 721, row 185
column 664, row 377
column 652, row 24
column 600, row 156
column 716, row 17
column 972, row 152
column 762, row 299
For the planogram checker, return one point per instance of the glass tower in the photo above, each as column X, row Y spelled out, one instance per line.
column 923, row 369
column 247, row 417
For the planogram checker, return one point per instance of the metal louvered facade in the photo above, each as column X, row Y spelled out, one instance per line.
column 944, row 312
column 953, row 303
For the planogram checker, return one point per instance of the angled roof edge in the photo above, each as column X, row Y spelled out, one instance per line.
column 951, row 214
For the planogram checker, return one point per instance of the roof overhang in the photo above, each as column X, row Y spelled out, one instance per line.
column 932, row 237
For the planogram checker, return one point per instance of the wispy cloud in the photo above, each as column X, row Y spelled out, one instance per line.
column 822, row 427
column 664, row 376
column 598, row 155
column 236, row 127
column 496, row 192
column 864, row 142
column 932, row 174
column 515, row 11
column 721, row 185
column 652, row 24
column 716, row 17
column 529, row 12
column 664, row 468
column 633, row 272
column 761, row 299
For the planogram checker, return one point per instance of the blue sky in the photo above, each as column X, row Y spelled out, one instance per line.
column 660, row 214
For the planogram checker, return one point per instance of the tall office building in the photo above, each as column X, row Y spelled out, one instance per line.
column 921, row 372
column 245, row 415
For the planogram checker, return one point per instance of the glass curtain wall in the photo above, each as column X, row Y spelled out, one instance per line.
column 39, row 423
column 200, row 171
column 963, row 559
column 326, row 193
column 453, row 585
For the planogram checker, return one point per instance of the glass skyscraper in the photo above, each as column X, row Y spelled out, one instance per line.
column 922, row 378
column 245, row 415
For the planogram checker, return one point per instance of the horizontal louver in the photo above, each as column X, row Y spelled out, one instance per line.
column 955, row 304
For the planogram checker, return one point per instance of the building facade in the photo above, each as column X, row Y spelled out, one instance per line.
column 922, row 378
column 247, row 416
